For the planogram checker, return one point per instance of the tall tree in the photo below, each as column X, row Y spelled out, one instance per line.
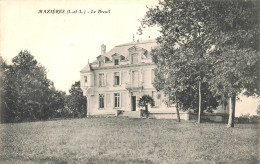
column 220, row 40
column 236, row 51
column 183, row 45
column 3, row 67
column 26, row 89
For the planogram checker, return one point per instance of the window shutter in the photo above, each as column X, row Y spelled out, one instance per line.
column 120, row 77
column 105, row 79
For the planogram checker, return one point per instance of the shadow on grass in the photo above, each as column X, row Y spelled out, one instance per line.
column 107, row 160
column 92, row 160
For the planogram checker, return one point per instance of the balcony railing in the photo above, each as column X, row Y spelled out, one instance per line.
column 136, row 85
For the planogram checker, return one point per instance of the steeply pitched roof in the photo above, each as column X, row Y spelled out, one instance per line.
column 123, row 48
column 87, row 68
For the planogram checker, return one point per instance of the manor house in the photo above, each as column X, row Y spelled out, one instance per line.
column 115, row 81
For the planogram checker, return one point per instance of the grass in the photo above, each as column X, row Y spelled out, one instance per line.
column 125, row 140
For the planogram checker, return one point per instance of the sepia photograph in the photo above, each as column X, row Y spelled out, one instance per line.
column 129, row 81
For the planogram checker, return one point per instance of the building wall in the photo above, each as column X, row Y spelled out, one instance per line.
column 109, row 88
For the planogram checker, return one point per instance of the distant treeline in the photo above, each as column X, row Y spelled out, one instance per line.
column 27, row 94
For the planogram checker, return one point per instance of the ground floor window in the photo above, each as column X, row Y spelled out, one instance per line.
column 101, row 100
column 117, row 100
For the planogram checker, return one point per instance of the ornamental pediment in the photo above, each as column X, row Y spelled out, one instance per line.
column 116, row 55
column 102, row 57
column 136, row 48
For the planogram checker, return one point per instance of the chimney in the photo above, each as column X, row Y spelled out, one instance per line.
column 103, row 49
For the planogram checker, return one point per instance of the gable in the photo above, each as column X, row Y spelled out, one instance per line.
column 136, row 48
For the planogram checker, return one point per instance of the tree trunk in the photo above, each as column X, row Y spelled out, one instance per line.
column 199, row 112
column 86, row 115
column 146, row 111
column 232, row 107
column 177, row 109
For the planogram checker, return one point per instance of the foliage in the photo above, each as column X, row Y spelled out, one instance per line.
column 144, row 101
column 258, row 109
column 213, row 43
column 181, row 57
column 236, row 51
column 177, row 80
column 76, row 102
column 26, row 89
column 57, row 103
column 27, row 94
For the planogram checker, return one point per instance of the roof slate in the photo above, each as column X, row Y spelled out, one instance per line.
column 123, row 50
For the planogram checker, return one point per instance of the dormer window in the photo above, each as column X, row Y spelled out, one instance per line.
column 116, row 61
column 86, row 79
column 101, row 63
column 117, row 58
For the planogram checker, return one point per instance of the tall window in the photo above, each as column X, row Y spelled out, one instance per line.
column 116, row 78
column 86, row 79
column 100, row 63
column 117, row 100
column 101, row 101
column 101, row 80
column 134, row 58
column 116, row 61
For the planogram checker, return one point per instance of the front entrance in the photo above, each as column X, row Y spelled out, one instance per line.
column 133, row 103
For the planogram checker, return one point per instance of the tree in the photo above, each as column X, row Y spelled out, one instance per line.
column 25, row 89
column 76, row 102
column 3, row 66
column 258, row 109
column 57, row 103
column 144, row 101
column 236, row 51
column 221, row 40
column 183, row 48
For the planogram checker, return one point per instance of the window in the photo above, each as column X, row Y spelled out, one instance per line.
column 101, row 80
column 134, row 58
column 101, row 101
column 116, row 78
column 100, row 63
column 116, row 61
column 86, row 79
column 117, row 100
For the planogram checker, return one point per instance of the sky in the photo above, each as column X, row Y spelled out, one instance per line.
column 63, row 43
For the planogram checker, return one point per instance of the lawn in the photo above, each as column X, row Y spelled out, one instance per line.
column 125, row 140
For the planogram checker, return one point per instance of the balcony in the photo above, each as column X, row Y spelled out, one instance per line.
column 137, row 85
